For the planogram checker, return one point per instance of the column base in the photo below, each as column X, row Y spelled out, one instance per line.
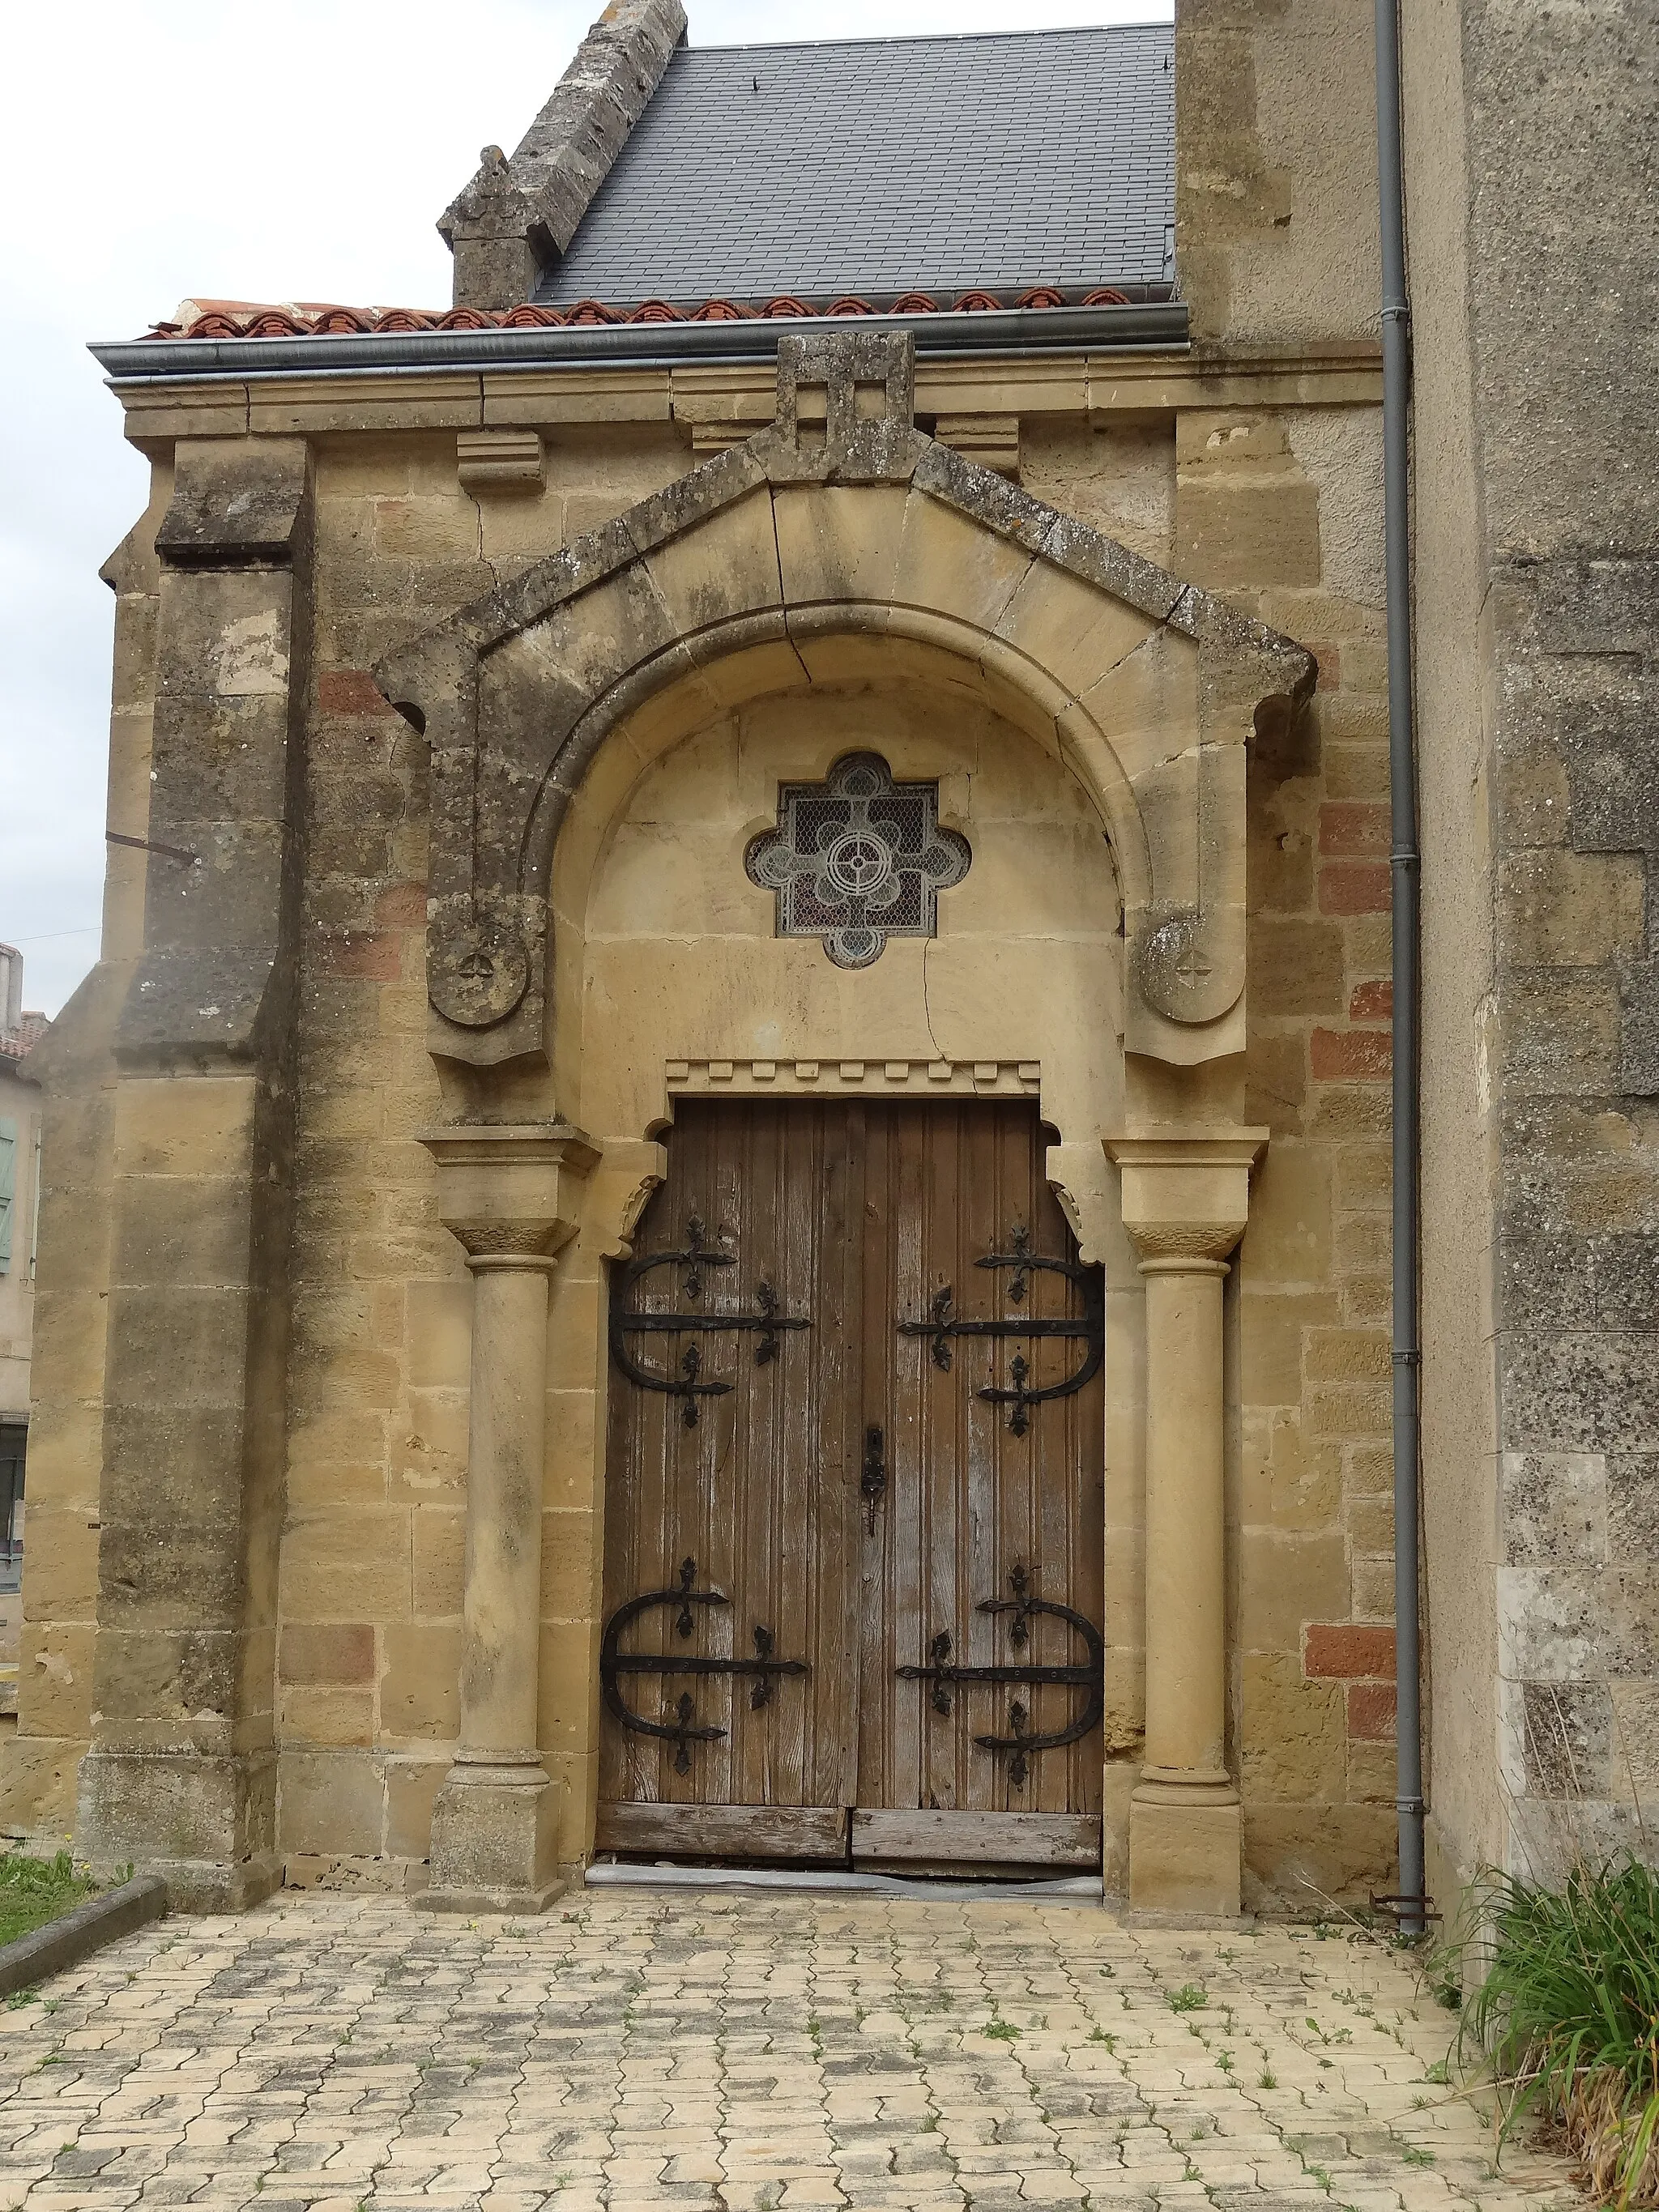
column 1184, row 1853
column 493, row 1840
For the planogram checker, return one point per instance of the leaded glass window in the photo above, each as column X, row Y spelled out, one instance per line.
column 858, row 859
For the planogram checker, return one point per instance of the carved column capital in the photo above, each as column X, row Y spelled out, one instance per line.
column 1185, row 1196
column 510, row 1193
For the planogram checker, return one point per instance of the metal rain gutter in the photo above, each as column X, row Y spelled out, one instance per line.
column 1411, row 1906
column 1158, row 326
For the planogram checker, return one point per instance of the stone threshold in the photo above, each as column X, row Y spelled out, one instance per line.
column 1074, row 1889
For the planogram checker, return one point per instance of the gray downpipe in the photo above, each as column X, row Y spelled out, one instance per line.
column 1405, row 871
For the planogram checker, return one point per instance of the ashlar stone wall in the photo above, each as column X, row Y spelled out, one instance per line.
column 1530, row 192
column 1269, row 501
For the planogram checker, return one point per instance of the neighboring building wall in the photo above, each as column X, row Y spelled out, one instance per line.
column 19, row 1141
column 1530, row 196
column 1276, row 238
column 19, row 1185
column 77, row 1070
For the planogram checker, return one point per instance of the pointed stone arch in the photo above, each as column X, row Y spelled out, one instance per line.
column 842, row 520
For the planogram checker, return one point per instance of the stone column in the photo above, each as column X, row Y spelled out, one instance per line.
column 512, row 1195
column 1185, row 1202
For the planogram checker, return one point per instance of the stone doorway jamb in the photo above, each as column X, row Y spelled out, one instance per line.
column 512, row 1195
column 1186, row 1199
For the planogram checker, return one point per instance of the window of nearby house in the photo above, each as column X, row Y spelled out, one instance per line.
column 8, row 1186
column 13, row 1438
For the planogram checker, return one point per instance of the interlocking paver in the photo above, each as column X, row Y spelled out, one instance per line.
column 728, row 2052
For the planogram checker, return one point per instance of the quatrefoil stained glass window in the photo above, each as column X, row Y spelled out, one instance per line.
column 858, row 859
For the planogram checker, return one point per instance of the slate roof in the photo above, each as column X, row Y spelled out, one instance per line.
column 877, row 167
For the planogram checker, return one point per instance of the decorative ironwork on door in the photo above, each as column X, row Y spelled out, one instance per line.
column 1023, row 1608
column 688, row 1385
column 683, row 1729
column 1088, row 1328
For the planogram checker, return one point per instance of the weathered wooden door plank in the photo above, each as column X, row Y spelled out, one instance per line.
column 1011, row 1839
column 751, row 1832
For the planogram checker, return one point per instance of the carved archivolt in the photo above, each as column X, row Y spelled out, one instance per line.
column 839, row 518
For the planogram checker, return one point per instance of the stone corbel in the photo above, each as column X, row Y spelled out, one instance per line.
column 1187, row 948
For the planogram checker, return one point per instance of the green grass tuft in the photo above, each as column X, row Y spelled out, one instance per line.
column 1567, row 2014
column 1188, row 1998
column 34, row 1891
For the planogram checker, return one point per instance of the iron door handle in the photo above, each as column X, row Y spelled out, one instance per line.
column 873, row 1483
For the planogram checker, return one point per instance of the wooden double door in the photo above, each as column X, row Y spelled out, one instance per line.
column 853, row 1521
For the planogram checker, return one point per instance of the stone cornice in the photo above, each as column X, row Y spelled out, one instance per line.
column 235, row 396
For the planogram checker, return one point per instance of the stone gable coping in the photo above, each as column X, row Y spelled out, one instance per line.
column 498, row 801
column 516, row 215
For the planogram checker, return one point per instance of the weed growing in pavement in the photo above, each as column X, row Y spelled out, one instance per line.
column 1440, row 2072
column 1567, row 2012
column 1189, row 1997
column 1000, row 2030
column 1224, row 2060
column 1267, row 2079
column 1099, row 2035
column 1414, row 2154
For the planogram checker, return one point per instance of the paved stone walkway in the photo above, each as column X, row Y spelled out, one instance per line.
column 743, row 2053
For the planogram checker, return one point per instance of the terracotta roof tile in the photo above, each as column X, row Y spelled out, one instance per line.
column 248, row 319
column 19, row 1043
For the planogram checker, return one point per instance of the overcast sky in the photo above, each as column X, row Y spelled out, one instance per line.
column 184, row 149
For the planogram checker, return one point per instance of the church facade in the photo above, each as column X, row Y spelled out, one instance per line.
column 723, row 1193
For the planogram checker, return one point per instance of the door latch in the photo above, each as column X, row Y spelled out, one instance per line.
column 873, row 1483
